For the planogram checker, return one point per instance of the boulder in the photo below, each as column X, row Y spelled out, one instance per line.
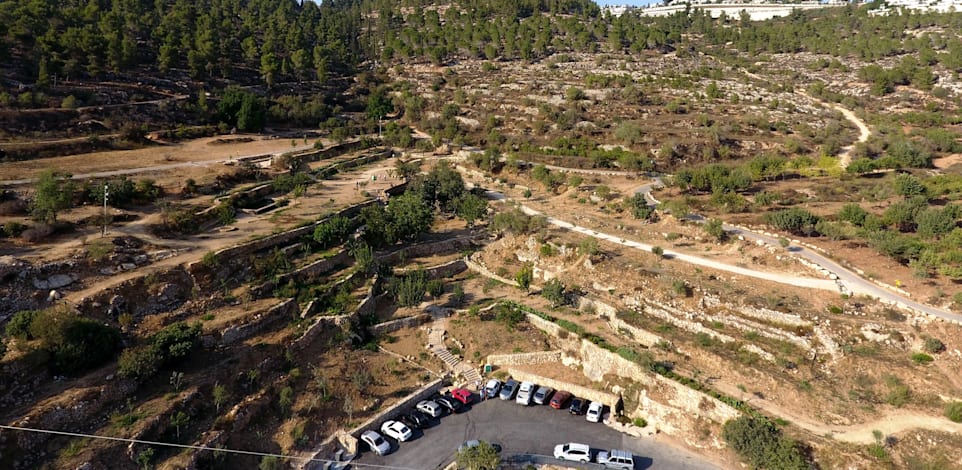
column 53, row 282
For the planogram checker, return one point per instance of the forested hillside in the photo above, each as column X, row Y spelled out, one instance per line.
column 41, row 39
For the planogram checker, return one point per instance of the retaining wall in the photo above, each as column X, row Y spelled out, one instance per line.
column 607, row 398
column 261, row 321
column 642, row 336
column 479, row 268
column 443, row 247
column 596, row 362
column 524, row 358
column 399, row 324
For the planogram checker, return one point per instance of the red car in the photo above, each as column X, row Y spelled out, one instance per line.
column 559, row 399
column 462, row 395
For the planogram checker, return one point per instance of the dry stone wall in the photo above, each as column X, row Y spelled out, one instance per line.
column 519, row 359
column 399, row 324
column 479, row 267
column 260, row 322
column 607, row 398
column 596, row 362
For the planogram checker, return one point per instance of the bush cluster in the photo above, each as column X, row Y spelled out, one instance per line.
column 166, row 347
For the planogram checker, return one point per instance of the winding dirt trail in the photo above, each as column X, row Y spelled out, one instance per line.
column 845, row 157
column 894, row 422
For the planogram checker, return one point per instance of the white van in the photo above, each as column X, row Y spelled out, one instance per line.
column 524, row 393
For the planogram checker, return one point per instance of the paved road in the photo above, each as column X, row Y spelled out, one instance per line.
column 526, row 430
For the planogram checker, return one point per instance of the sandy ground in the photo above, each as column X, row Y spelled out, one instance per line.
column 197, row 150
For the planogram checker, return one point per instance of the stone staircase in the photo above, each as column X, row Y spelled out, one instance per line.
column 436, row 334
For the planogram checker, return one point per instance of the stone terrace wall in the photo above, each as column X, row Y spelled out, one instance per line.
column 313, row 269
column 400, row 323
column 643, row 337
column 524, row 358
column 597, row 362
column 419, row 250
column 261, row 321
column 607, row 398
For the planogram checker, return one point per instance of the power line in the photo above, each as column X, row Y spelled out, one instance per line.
column 188, row 446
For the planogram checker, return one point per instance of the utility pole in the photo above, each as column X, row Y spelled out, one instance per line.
column 104, row 234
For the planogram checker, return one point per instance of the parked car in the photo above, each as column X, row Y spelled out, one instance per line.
column 396, row 430
column 573, row 451
column 430, row 408
column 508, row 390
column 594, row 412
column 462, row 395
column 475, row 443
column 578, row 406
column 616, row 459
column 559, row 399
column 542, row 395
column 491, row 388
column 415, row 419
column 449, row 404
column 378, row 444
column 524, row 393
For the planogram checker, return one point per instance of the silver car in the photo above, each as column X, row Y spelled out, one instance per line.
column 543, row 395
column 378, row 444
column 508, row 390
column 616, row 459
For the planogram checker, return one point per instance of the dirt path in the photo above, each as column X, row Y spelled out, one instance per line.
column 326, row 197
column 845, row 157
column 806, row 282
column 894, row 422
column 194, row 153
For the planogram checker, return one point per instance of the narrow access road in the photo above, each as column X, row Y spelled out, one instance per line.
column 806, row 282
column 847, row 279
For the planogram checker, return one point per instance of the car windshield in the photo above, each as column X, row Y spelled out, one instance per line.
column 378, row 441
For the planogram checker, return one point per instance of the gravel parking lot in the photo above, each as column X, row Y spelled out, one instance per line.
column 525, row 430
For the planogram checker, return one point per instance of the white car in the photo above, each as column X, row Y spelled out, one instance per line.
column 594, row 412
column 378, row 444
column 524, row 393
column 492, row 388
column 430, row 408
column 573, row 451
column 396, row 430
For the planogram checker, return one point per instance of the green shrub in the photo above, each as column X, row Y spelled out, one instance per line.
column 408, row 290
column 759, row 442
column 168, row 346
column 73, row 342
column 332, row 232
column 953, row 411
column 934, row 345
column 640, row 422
column 898, row 394
column 435, row 287
column 572, row 327
column 457, row 294
column 554, row 291
column 509, row 316
column 921, row 358
column 19, row 326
